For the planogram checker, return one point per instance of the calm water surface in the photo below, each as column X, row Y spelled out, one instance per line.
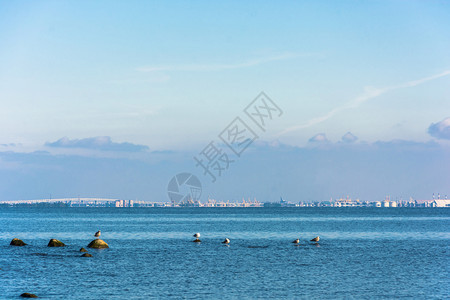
column 364, row 253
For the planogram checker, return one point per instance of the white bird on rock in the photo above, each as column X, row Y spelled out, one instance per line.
column 316, row 239
column 97, row 234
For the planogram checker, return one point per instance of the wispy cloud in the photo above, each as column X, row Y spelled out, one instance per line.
column 152, row 78
column 103, row 143
column 8, row 145
column 368, row 94
column 223, row 66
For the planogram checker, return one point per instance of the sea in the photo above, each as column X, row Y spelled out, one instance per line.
column 363, row 253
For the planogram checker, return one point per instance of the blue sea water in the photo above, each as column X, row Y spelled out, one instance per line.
column 364, row 253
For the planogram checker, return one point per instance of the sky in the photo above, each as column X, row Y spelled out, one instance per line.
column 112, row 99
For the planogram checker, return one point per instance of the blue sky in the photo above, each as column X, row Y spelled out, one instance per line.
column 158, row 81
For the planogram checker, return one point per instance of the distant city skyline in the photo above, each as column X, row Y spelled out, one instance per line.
column 107, row 99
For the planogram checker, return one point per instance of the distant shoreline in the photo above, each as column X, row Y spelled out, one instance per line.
column 65, row 205
column 121, row 203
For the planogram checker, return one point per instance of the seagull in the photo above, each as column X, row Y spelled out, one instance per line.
column 227, row 241
column 297, row 241
column 316, row 239
column 197, row 235
column 97, row 234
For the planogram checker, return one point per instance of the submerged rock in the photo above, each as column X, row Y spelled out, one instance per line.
column 55, row 243
column 28, row 295
column 197, row 241
column 86, row 255
column 17, row 242
column 83, row 250
column 39, row 254
column 98, row 244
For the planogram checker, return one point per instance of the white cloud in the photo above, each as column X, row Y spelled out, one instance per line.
column 368, row 94
column 440, row 130
column 319, row 138
column 221, row 66
column 152, row 78
column 103, row 143
column 349, row 137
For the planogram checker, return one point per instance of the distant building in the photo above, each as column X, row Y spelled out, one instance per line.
column 326, row 204
column 348, row 202
column 441, row 203
column 423, row 203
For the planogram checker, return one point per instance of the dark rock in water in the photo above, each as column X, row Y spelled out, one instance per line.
column 98, row 244
column 83, row 250
column 55, row 243
column 28, row 295
column 86, row 255
column 197, row 241
column 39, row 254
column 17, row 242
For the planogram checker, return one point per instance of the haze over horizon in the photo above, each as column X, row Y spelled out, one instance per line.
column 101, row 99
